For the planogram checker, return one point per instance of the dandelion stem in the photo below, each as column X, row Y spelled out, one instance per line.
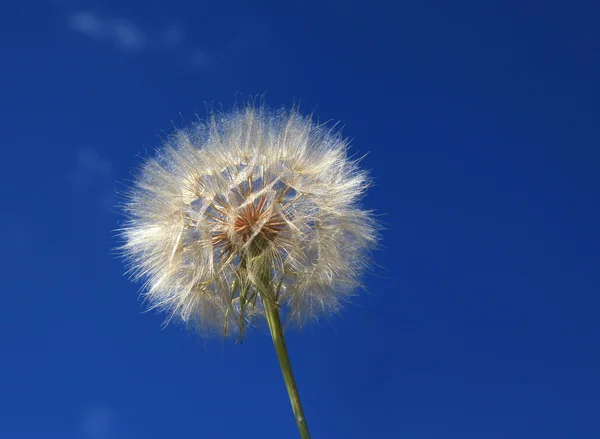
column 272, row 312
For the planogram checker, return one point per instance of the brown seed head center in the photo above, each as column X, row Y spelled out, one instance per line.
column 254, row 214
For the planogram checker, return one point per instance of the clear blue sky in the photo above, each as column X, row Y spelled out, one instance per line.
column 481, row 123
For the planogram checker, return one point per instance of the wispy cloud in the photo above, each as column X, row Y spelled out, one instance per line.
column 119, row 31
column 171, row 37
column 199, row 59
column 93, row 175
column 128, row 36
column 89, row 168
column 99, row 423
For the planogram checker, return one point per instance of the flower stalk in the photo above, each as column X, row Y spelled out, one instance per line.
column 269, row 294
column 272, row 313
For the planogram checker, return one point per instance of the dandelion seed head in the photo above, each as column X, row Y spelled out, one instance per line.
column 248, row 206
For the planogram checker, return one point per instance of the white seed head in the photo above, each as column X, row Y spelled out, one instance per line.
column 248, row 205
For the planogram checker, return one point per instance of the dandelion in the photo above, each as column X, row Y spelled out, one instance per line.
column 248, row 216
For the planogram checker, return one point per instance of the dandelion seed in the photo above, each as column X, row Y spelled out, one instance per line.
column 245, row 216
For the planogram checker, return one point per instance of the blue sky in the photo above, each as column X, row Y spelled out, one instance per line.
column 481, row 124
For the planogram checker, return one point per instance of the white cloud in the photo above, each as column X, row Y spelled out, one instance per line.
column 89, row 168
column 99, row 423
column 199, row 59
column 128, row 36
column 172, row 36
column 92, row 176
column 121, row 32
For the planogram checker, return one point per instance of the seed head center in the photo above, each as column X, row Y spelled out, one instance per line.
column 258, row 214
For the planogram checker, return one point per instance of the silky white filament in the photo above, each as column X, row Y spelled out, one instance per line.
column 243, row 194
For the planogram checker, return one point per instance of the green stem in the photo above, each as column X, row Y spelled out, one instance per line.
column 272, row 312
